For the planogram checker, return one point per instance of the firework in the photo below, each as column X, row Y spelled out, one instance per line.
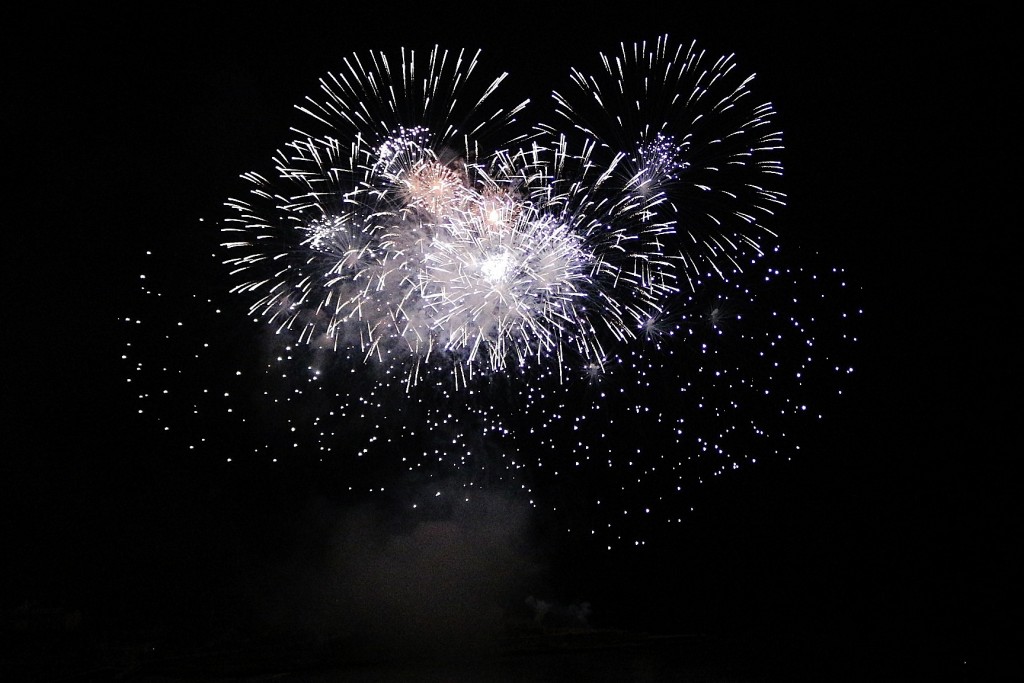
column 376, row 233
column 676, row 123
column 616, row 274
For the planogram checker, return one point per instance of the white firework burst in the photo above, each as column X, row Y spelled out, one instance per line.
column 616, row 280
column 681, row 123
column 391, row 226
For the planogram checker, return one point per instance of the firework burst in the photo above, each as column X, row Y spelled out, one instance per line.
column 498, row 258
column 683, row 125
column 614, row 275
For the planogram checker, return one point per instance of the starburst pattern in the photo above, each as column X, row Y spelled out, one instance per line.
column 597, row 314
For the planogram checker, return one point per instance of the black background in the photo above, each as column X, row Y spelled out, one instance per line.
column 895, row 532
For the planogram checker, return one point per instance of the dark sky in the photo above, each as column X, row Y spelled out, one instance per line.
column 129, row 125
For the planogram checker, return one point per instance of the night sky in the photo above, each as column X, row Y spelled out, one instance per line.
column 886, row 540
